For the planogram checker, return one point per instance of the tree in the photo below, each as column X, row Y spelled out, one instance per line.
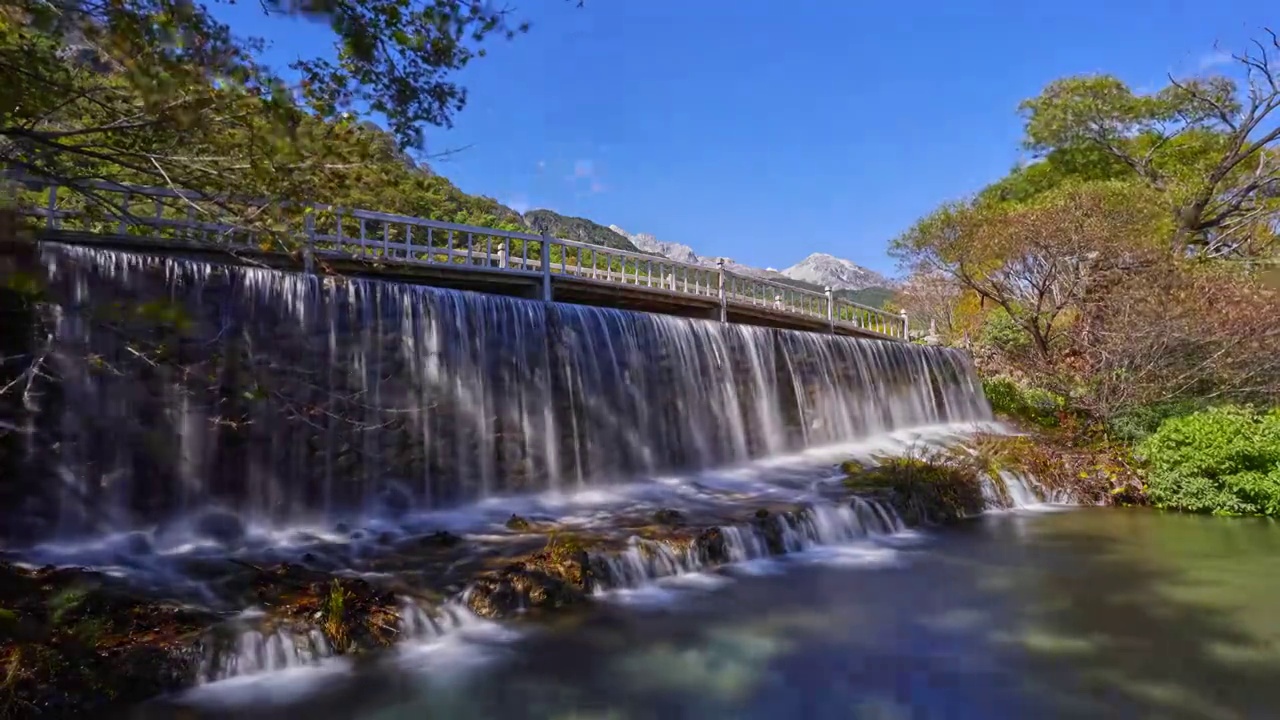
column 160, row 92
column 1208, row 147
column 1037, row 260
column 932, row 298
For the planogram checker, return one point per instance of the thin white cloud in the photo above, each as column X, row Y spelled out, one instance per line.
column 597, row 186
column 584, row 169
column 542, row 165
column 1215, row 59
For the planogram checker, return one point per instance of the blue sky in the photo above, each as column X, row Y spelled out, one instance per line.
column 764, row 130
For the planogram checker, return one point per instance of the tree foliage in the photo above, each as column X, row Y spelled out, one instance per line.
column 1132, row 265
column 1207, row 144
column 160, row 92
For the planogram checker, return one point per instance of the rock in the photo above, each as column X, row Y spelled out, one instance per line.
column 394, row 500
column 556, row 577
column 667, row 516
column 82, row 645
column 437, row 539
column 518, row 524
column 221, row 527
column 137, row 544
column 342, row 528
column 711, row 545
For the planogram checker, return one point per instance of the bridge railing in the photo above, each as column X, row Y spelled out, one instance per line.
column 319, row 231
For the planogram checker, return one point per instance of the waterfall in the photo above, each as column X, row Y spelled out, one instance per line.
column 184, row 384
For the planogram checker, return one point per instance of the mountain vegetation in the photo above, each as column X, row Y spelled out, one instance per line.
column 1128, row 273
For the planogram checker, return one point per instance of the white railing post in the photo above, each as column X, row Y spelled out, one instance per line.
column 831, row 309
column 906, row 329
column 546, row 267
column 502, row 255
column 724, row 301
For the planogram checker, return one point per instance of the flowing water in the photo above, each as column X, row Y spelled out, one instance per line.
column 196, row 411
column 1087, row 613
column 283, row 398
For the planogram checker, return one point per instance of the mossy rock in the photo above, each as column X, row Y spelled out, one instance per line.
column 73, row 642
column 927, row 489
column 560, row 575
column 353, row 615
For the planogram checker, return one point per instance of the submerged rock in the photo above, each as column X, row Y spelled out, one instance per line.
column 518, row 524
column 220, row 526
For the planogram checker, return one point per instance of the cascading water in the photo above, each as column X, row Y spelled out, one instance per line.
column 185, row 384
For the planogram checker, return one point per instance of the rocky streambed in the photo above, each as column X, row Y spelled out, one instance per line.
column 79, row 640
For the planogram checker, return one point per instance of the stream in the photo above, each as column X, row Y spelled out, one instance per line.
column 1082, row 613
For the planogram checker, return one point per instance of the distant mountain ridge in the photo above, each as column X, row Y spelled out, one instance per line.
column 819, row 269
column 815, row 272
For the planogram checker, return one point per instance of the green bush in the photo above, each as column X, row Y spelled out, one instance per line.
column 1001, row 332
column 1224, row 461
column 1136, row 424
column 1008, row 398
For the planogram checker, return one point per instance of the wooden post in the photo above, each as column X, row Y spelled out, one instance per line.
column 724, row 302
column 831, row 309
column 546, row 267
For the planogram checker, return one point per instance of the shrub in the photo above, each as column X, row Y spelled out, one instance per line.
column 1034, row 405
column 1136, row 424
column 1000, row 331
column 1224, row 461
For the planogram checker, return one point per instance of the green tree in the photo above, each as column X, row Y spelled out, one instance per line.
column 1206, row 144
column 160, row 92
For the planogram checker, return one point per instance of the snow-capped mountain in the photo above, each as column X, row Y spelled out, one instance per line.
column 818, row 269
column 838, row 273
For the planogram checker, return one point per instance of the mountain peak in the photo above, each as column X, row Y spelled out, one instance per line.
column 821, row 269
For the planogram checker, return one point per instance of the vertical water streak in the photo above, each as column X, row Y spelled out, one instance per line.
column 284, row 396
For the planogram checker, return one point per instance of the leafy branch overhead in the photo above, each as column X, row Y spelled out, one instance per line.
column 162, row 92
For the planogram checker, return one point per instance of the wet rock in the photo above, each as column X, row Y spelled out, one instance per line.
column 667, row 516
column 221, row 527
column 342, row 528
column 712, row 547
column 559, row 576
column 440, row 538
column 394, row 500
column 353, row 615
column 770, row 528
column 76, row 643
column 518, row 524
column 137, row 544
column 934, row 489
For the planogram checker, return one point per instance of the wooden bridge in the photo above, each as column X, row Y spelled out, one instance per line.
column 409, row 249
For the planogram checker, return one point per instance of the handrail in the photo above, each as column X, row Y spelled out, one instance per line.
column 329, row 231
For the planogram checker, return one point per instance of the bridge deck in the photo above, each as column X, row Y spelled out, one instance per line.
column 360, row 242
